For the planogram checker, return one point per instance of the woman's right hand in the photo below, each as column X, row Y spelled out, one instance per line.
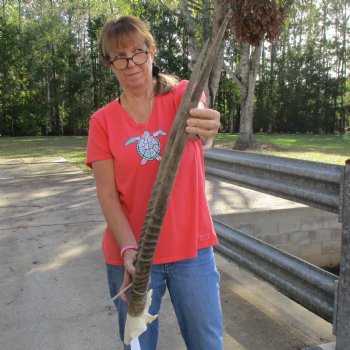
column 129, row 261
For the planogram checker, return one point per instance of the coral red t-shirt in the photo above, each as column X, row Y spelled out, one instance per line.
column 137, row 150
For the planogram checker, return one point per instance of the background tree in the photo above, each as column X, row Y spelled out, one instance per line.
column 306, row 71
column 202, row 19
column 51, row 78
column 253, row 21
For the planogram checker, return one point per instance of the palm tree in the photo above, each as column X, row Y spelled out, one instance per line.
column 253, row 22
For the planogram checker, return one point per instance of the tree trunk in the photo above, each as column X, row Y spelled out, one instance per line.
column 269, row 110
column 344, row 26
column 93, row 64
column 191, row 27
column 52, row 91
column 48, row 96
column 215, row 74
column 249, row 71
column 212, row 85
column 4, row 71
column 111, row 7
column 4, row 11
column 55, row 112
column 19, row 17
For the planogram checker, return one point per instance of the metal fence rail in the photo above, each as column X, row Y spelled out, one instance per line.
column 323, row 186
column 310, row 183
column 307, row 284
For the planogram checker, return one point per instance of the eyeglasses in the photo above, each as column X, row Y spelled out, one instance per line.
column 139, row 58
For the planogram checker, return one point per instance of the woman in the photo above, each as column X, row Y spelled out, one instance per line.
column 127, row 138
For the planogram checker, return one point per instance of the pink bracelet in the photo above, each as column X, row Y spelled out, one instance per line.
column 127, row 247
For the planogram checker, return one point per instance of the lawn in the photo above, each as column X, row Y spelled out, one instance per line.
column 333, row 149
column 73, row 148
column 322, row 148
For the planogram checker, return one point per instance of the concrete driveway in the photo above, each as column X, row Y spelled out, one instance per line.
column 53, row 293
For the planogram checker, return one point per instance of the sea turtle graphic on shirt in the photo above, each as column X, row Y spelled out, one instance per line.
column 148, row 146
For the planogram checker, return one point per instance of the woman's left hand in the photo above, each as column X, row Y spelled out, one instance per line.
column 205, row 123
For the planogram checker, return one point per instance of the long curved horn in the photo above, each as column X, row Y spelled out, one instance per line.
column 167, row 173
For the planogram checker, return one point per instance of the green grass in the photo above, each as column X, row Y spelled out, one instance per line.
column 73, row 148
column 333, row 149
column 322, row 148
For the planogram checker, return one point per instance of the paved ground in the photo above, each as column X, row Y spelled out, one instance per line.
column 53, row 293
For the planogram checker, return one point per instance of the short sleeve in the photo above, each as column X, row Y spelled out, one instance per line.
column 98, row 144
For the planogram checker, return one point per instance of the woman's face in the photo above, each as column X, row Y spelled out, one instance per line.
column 135, row 77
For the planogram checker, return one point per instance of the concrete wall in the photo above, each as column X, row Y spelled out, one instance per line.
column 311, row 234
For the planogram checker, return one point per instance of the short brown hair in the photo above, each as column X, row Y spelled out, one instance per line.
column 117, row 32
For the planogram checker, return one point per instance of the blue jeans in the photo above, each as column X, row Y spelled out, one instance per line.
column 193, row 286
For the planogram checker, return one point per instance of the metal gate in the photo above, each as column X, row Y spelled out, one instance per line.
column 319, row 185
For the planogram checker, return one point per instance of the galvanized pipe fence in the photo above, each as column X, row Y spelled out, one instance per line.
column 319, row 185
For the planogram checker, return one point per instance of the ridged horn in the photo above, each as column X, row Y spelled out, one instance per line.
column 167, row 172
